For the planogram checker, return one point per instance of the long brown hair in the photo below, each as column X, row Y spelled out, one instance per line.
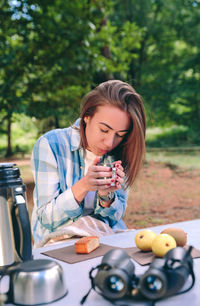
column 131, row 150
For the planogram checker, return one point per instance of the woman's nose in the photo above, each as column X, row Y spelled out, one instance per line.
column 109, row 141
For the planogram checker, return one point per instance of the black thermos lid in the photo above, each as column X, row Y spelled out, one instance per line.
column 9, row 175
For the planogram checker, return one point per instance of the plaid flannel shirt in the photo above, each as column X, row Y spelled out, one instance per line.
column 57, row 163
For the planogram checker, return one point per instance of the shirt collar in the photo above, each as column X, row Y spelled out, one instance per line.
column 75, row 135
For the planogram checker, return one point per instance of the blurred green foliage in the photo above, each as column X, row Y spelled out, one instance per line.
column 173, row 135
column 53, row 52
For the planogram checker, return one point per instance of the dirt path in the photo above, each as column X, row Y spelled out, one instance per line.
column 18, row 161
column 164, row 194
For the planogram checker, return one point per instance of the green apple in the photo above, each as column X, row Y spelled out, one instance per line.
column 144, row 239
column 162, row 244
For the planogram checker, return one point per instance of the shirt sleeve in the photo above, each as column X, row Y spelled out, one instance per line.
column 52, row 206
column 116, row 211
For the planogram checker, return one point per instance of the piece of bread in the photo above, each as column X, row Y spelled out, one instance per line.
column 87, row 244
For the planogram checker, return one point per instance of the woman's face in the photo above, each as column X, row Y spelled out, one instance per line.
column 106, row 129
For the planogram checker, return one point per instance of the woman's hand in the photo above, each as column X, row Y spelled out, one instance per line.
column 118, row 180
column 120, row 174
column 99, row 178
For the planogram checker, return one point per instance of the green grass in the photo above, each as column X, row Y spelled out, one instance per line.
column 170, row 145
column 156, row 221
column 148, row 221
column 187, row 160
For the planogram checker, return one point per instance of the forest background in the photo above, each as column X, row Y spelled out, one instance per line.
column 53, row 52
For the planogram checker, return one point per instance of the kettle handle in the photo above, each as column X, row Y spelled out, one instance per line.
column 26, row 231
column 7, row 297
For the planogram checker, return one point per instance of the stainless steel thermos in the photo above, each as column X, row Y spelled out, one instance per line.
column 15, row 232
column 31, row 282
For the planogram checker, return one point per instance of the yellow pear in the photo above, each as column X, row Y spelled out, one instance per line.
column 144, row 238
column 162, row 244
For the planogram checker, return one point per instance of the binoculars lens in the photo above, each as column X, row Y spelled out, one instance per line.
column 153, row 283
column 115, row 283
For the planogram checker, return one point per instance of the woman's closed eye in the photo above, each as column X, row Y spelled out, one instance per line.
column 118, row 135
column 104, row 131
column 121, row 135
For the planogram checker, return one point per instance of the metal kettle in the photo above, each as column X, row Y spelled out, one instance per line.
column 15, row 232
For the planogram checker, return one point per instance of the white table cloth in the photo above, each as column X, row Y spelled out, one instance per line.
column 77, row 275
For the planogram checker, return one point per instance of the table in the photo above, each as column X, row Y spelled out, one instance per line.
column 77, row 275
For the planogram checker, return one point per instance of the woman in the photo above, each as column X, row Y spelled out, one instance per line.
column 70, row 180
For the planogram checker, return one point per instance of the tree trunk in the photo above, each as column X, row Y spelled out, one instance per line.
column 56, row 122
column 9, row 147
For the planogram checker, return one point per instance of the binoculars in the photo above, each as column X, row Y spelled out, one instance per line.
column 116, row 279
